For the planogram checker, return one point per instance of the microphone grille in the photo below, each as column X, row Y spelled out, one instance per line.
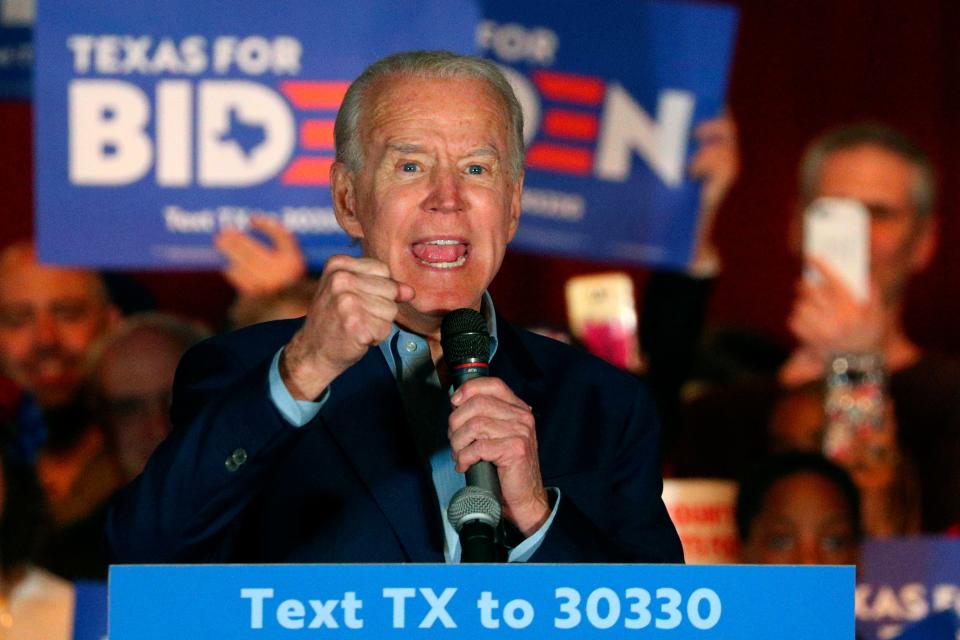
column 464, row 337
column 470, row 504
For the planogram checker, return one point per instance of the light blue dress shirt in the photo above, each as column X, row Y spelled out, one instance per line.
column 427, row 407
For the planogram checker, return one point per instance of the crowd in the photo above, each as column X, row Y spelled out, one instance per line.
column 85, row 393
column 903, row 462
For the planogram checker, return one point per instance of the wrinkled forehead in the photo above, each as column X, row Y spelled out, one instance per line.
column 406, row 92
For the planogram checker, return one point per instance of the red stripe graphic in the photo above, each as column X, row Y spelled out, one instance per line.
column 568, row 87
column 305, row 171
column 311, row 94
column 560, row 123
column 316, row 134
column 557, row 157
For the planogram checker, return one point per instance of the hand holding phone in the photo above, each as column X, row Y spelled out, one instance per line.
column 836, row 231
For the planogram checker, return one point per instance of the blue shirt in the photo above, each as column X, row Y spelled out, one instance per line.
column 427, row 407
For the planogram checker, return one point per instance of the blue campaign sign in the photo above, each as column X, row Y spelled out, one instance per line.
column 943, row 625
column 159, row 124
column 155, row 128
column 90, row 611
column 903, row 582
column 480, row 601
column 16, row 48
column 612, row 92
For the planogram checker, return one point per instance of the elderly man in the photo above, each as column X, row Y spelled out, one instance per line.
column 332, row 438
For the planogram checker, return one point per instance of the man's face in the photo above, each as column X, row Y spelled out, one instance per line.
column 134, row 379
column 900, row 242
column 435, row 200
column 48, row 318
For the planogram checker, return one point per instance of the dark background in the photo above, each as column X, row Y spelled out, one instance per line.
column 799, row 68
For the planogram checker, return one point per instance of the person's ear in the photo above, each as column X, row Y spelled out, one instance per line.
column 344, row 195
column 925, row 244
column 515, row 206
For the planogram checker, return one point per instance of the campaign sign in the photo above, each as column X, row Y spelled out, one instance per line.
column 704, row 513
column 903, row 581
column 611, row 92
column 16, row 48
column 943, row 625
column 480, row 601
column 90, row 612
column 158, row 124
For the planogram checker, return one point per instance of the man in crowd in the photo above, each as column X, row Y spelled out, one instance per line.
column 129, row 375
column 130, row 382
column 892, row 177
column 334, row 438
column 49, row 317
column 894, row 180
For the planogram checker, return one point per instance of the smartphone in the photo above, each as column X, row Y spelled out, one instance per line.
column 837, row 232
column 602, row 314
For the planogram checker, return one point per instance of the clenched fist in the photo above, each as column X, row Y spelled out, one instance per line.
column 353, row 309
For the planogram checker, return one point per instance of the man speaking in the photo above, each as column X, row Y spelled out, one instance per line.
column 334, row 438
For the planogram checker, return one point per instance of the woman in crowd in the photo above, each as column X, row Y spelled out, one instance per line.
column 798, row 508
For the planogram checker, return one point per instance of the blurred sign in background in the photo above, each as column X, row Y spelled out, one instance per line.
column 16, row 48
column 157, row 127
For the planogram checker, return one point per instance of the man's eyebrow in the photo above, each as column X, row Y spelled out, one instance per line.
column 411, row 147
column 484, row 151
column 405, row 147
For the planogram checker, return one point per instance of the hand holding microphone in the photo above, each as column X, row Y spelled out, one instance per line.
column 489, row 423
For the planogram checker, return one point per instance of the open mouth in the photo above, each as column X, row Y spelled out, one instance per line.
column 441, row 253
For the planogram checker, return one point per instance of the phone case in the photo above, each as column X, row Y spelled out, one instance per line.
column 837, row 232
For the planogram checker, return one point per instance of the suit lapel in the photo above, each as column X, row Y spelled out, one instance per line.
column 365, row 416
column 514, row 364
column 518, row 363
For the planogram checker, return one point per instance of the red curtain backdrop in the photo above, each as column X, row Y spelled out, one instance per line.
column 799, row 68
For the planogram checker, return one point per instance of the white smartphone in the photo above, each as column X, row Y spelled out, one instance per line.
column 837, row 232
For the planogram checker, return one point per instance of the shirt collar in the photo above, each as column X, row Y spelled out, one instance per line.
column 396, row 344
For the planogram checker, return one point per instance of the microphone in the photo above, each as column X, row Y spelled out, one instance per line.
column 474, row 511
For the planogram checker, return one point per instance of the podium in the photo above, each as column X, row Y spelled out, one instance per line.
column 672, row 602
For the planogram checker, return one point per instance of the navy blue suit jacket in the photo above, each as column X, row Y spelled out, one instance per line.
column 235, row 483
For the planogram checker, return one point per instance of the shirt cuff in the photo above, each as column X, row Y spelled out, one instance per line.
column 523, row 551
column 296, row 412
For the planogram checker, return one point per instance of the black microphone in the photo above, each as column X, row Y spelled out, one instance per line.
column 474, row 511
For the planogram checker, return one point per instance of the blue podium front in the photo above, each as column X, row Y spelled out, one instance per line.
column 480, row 601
